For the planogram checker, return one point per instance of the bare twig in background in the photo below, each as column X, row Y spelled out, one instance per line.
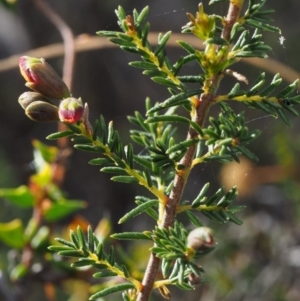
column 67, row 36
column 90, row 43
column 68, row 51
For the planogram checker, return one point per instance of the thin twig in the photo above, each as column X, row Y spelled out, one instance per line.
column 69, row 52
column 67, row 36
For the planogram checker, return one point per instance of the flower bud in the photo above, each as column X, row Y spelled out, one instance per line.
column 42, row 111
column 42, row 78
column 201, row 239
column 193, row 279
column 70, row 110
column 28, row 97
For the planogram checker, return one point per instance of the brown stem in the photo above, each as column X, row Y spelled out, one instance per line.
column 232, row 16
column 181, row 176
column 175, row 196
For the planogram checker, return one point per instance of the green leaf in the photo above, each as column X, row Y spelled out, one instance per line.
column 145, row 35
column 234, row 209
column 233, row 218
column 107, row 33
column 200, row 196
column 162, row 43
column 81, row 238
column 74, row 128
column 81, row 140
column 145, row 162
column 105, row 273
column 112, row 169
column 12, row 234
column 143, row 14
column 148, row 178
column 262, row 25
column 164, row 81
column 122, row 42
column 65, row 242
column 89, row 148
column 121, row 14
column 99, row 161
column 138, row 210
column 82, row 263
column 125, row 37
column 111, row 290
column 195, row 79
column 58, row 135
column 128, row 149
column 284, row 117
column 91, row 239
column 143, row 65
column 174, row 100
column 71, row 253
column 190, row 49
column 167, row 118
column 124, row 179
column 20, row 196
column 182, row 145
column 60, row 210
column 290, row 109
column 194, row 218
column 130, row 236
column 56, row 248
column 275, row 82
column 288, row 90
column 153, row 72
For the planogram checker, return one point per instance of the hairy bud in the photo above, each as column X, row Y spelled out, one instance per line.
column 29, row 97
column 200, row 239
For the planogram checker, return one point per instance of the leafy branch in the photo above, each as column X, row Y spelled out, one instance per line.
column 164, row 166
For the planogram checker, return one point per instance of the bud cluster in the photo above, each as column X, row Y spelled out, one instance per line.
column 48, row 87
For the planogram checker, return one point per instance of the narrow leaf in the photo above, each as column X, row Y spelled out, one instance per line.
column 138, row 210
column 124, row 179
column 89, row 148
column 99, row 161
column 105, row 273
column 162, row 42
column 130, row 236
column 58, row 135
column 82, row 263
column 111, row 290
column 167, row 118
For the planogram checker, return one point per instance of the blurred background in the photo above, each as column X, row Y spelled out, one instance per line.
column 259, row 260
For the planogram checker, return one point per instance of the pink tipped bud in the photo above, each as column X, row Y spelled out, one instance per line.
column 201, row 239
column 42, row 111
column 42, row 78
column 70, row 110
column 28, row 97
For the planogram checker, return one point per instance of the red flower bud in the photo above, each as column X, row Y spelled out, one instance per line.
column 42, row 111
column 70, row 110
column 42, row 78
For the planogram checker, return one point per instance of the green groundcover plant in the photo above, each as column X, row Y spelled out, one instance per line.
column 164, row 166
